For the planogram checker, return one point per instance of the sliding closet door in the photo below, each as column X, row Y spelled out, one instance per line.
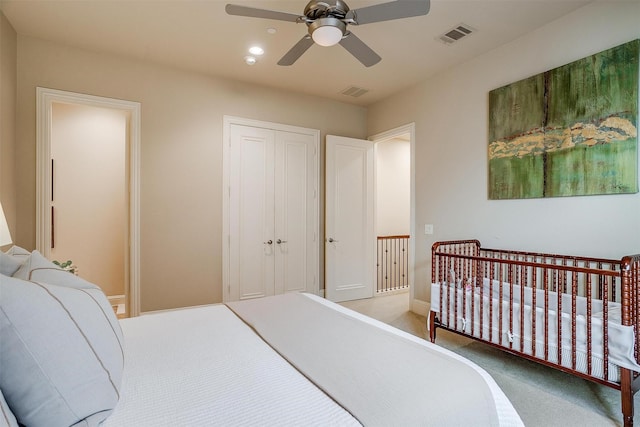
column 251, row 212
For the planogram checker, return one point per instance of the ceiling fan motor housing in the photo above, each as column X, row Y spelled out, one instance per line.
column 324, row 18
column 326, row 8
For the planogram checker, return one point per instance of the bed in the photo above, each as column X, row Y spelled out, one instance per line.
column 293, row 359
column 573, row 313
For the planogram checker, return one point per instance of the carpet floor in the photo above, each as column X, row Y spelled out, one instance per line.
column 542, row 396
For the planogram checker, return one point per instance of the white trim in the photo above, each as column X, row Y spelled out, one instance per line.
column 45, row 98
column 118, row 302
column 168, row 310
column 410, row 128
column 226, row 145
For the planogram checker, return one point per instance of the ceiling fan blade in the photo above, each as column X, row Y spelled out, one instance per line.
column 387, row 11
column 296, row 51
column 360, row 50
column 252, row 12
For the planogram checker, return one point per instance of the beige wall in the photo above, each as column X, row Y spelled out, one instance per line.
column 181, row 172
column 8, row 79
column 88, row 145
column 393, row 184
column 450, row 113
column 181, row 151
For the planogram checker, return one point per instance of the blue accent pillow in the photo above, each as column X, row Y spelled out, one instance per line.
column 62, row 351
column 8, row 264
column 7, row 419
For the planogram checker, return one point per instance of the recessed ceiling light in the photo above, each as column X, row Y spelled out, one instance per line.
column 250, row 60
column 256, row 50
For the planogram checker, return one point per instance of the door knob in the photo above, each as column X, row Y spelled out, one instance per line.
column 280, row 241
column 268, row 242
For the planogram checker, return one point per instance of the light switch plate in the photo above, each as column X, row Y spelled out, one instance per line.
column 428, row 229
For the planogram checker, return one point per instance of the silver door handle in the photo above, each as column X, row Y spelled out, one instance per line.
column 280, row 241
column 268, row 242
column 330, row 240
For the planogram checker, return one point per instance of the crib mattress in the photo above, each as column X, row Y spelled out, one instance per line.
column 519, row 336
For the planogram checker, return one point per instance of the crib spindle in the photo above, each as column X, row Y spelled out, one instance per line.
column 558, row 288
column 574, row 316
column 547, row 312
column 589, row 327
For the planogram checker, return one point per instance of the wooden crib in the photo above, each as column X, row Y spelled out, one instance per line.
column 547, row 308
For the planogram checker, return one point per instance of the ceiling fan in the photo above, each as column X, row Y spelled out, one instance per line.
column 327, row 22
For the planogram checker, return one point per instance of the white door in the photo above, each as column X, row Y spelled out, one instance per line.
column 251, row 212
column 273, row 245
column 295, row 236
column 349, row 229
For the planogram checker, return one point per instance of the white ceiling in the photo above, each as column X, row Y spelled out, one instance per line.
column 200, row 36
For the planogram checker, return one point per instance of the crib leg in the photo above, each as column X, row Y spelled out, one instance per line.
column 432, row 326
column 626, row 396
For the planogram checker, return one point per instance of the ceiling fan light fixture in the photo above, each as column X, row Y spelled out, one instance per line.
column 327, row 31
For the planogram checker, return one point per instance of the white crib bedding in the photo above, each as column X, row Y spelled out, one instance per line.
column 205, row 366
column 620, row 338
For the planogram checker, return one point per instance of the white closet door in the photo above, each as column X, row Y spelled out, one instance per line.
column 251, row 212
column 295, row 239
column 273, row 212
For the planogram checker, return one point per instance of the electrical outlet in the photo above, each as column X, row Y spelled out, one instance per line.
column 428, row 229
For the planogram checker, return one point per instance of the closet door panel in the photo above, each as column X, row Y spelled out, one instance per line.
column 294, row 212
column 252, row 246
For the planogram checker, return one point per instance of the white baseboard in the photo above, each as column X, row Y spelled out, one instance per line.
column 420, row 307
column 118, row 303
column 116, row 299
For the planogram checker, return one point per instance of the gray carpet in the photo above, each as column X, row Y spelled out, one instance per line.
column 542, row 396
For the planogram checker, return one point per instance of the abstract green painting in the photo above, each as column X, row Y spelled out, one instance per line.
column 571, row 131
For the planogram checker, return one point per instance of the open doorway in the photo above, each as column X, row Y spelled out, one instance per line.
column 395, row 211
column 89, row 195
column 393, row 219
column 88, row 190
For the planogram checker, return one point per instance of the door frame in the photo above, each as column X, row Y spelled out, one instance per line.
column 45, row 98
column 415, row 306
column 228, row 121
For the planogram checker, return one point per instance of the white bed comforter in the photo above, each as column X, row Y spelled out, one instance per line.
column 204, row 366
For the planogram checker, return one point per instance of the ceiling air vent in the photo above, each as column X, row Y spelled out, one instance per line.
column 354, row 91
column 456, row 33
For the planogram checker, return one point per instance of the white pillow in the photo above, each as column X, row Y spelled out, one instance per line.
column 9, row 264
column 62, row 348
column 12, row 259
column 7, row 419
column 32, row 264
column 17, row 251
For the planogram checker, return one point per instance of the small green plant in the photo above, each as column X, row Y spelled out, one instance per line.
column 67, row 266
